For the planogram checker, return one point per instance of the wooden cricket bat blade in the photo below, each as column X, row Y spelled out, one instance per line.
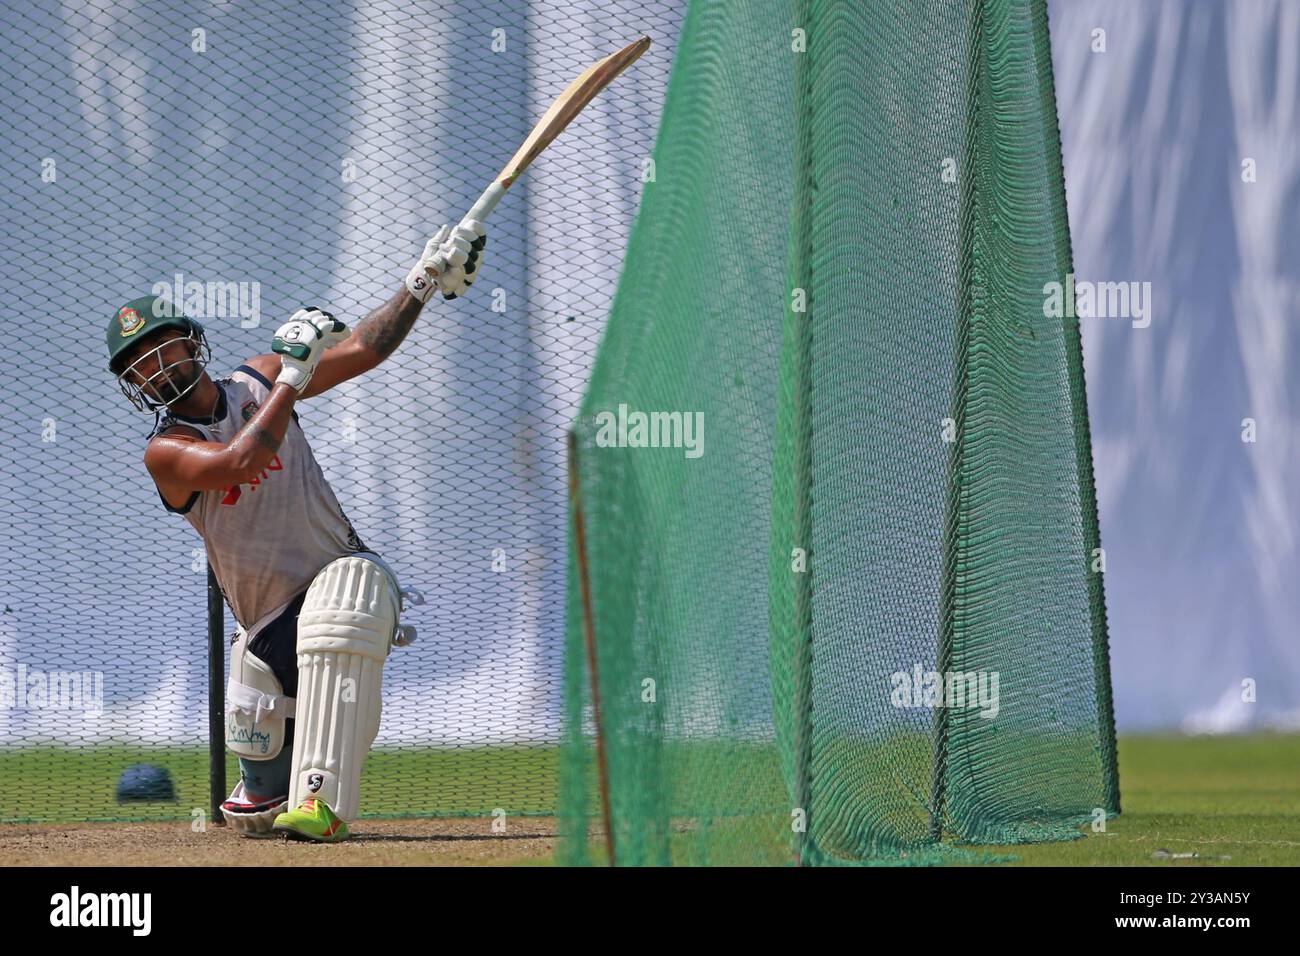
column 566, row 106
column 569, row 104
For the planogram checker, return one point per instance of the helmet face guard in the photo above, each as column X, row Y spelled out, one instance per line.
column 167, row 385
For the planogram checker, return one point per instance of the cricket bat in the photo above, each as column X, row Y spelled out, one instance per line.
column 562, row 112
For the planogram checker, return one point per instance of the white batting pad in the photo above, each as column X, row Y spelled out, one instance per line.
column 345, row 629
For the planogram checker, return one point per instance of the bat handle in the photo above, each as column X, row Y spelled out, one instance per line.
column 481, row 210
column 487, row 202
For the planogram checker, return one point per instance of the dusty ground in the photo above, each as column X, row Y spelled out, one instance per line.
column 458, row 842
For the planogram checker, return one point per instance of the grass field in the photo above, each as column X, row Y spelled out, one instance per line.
column 1231, row 800
column 1236, row 797
column 68, row 785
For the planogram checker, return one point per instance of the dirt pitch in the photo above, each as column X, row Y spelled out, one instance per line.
column 448, row 842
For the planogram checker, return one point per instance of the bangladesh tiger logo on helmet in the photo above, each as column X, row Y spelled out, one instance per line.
column 130, row 320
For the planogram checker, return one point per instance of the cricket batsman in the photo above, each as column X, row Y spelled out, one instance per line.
column 317, row 610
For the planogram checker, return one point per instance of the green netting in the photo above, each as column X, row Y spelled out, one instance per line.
column 841, row 265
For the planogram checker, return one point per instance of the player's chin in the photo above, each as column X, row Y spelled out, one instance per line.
column 171, row 394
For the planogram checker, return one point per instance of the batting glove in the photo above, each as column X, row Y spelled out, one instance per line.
column 451, row 261
column 301, row 342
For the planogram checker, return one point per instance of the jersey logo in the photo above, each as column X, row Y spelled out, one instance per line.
column 232, row 495
column 250, row 406
column 130, row 321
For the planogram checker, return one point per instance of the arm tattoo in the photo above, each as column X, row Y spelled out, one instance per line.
column 257, row 433
column 382, row 331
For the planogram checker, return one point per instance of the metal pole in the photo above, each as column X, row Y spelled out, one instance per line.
column 216, row 699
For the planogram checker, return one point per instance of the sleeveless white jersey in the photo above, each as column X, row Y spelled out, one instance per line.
column 266, row 539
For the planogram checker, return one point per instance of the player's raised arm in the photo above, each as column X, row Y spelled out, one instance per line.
column 181, row 461
column 450, row 263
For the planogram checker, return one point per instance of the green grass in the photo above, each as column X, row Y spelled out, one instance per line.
column 1236, row 796
column 70, row 785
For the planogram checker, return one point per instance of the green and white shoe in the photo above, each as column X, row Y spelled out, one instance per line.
column 313, row 821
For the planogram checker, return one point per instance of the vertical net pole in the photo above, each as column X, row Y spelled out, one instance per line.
column 589, row 636
column 216, row 699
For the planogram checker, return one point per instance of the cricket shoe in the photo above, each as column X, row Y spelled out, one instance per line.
column 252, row 817
column 313, row 821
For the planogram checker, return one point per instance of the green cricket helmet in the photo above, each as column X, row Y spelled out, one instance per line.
column 142, row 319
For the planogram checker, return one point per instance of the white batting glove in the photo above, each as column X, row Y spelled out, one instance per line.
column 301, row 342
column 451, row 261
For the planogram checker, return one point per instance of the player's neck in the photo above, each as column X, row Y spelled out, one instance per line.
column 200, row 403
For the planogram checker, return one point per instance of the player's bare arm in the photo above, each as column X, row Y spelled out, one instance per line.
column 181, row 461
column 450, row 264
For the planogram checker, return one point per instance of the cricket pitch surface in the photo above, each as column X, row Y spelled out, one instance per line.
column 436, row 842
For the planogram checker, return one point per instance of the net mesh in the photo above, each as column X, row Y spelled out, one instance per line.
column 838, row 277
column 306, row 153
